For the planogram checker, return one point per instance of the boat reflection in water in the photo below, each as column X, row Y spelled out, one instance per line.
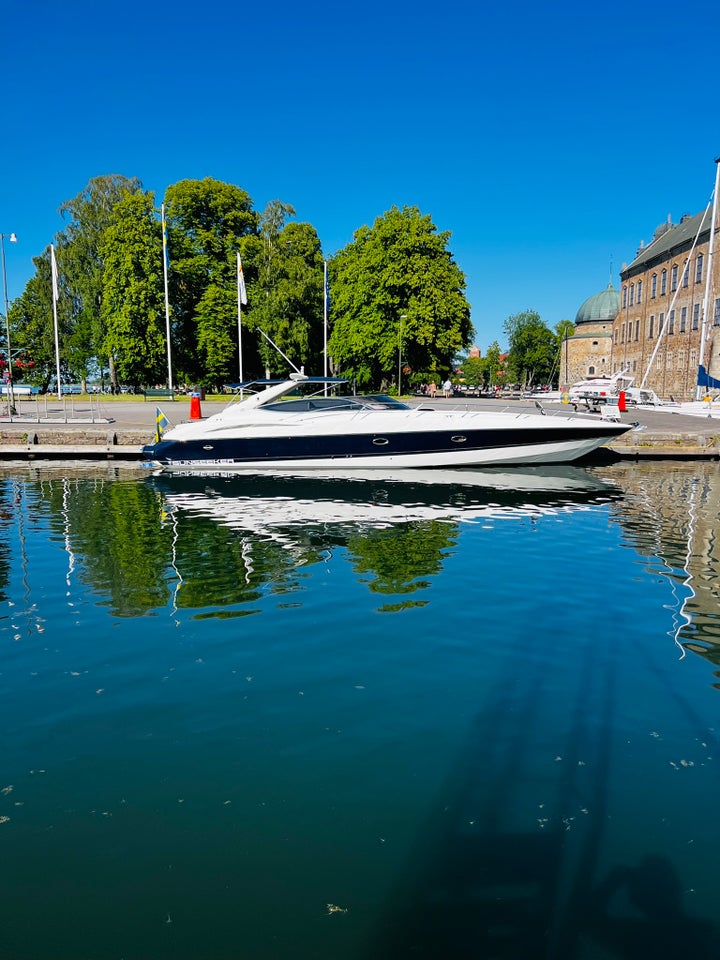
column 376, row 499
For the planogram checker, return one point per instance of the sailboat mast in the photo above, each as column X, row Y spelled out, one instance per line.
column 708, row 275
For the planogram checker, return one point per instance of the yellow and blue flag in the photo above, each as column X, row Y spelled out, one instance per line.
column 161, row 424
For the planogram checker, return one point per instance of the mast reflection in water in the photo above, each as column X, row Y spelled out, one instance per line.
column 359, row 717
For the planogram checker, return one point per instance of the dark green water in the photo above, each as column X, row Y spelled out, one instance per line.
column 478, row 715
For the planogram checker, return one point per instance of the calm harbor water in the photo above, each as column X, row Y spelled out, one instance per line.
column 469, row 716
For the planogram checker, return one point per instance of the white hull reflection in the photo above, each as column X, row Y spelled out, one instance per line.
column 377, row 499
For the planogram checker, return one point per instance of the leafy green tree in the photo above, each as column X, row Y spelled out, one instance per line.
column 81, row 268
column 288, row 299
column 133, row 310
column 493, row 365
column 31, row 322
column 474, row 371
column 208, row 223
column 532, row 355
column 396, row 287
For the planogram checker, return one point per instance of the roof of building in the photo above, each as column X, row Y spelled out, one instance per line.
column 670, row 238
column 601, row 306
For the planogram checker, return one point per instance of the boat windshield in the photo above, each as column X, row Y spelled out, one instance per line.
column 305, row 404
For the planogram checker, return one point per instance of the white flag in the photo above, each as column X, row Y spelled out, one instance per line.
column 242, row 294
column 53, row 266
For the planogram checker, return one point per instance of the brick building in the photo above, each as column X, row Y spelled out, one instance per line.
column 660, row 324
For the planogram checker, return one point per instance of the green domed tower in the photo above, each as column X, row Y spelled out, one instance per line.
column 588, row 352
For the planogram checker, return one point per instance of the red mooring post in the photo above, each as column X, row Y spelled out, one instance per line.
column 622, row 405
column 195, row 412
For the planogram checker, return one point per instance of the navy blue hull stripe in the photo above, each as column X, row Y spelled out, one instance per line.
column 362, row 446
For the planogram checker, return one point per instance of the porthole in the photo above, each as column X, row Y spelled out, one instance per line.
column 380, row 441
column 208, row 446
column 459, row 439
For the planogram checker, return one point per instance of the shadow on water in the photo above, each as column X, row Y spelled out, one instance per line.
column 498, row 876
column 638, row 912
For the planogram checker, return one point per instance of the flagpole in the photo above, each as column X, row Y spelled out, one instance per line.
column 167, row 298
column 53, row 268
column 241, row 299
column 325, row 322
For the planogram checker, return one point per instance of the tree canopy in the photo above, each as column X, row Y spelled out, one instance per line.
column 533, row 350
column 397, row 293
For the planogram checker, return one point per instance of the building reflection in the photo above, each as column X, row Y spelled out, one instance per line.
column 669, row 514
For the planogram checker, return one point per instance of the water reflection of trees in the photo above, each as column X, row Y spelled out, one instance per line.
column 139, row 553
column 6, row 518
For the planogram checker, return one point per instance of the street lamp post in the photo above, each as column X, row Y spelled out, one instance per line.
column 400, row 347
column 13, row 239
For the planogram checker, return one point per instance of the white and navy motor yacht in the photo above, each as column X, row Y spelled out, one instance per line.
column 271, row 430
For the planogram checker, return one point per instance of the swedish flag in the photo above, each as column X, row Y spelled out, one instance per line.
column 161, row 424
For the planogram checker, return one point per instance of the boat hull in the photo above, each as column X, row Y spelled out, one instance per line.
column 568, row 441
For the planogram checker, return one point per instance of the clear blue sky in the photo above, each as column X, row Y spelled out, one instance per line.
column 549, row 139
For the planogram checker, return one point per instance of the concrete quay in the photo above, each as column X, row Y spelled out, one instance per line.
column 108, row 429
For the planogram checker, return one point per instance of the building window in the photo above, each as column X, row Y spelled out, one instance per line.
column 683, row 320
column 632, row 294
column 696, row 316
column 661, row 323
column 716, row 314
column 653, row 286
column 637, row 330
column 698, row 268
column 663, row 283
column 671, row 322
column 693, row 358
column 681, row 359
column 686, row 273
column 673, row 277
column 624, row 297
column 652, row 326
column 591, row 371
column 639, row 291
